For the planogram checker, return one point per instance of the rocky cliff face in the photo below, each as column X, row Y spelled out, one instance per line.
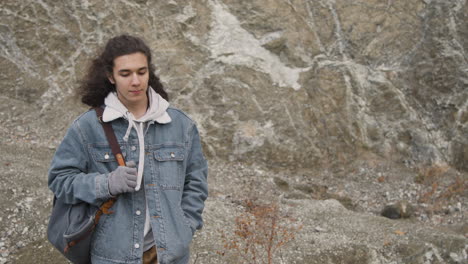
column 322, row 85
column 293, row 83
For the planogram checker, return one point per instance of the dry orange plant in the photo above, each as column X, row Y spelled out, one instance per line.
column 259, row 233
column 439, row 194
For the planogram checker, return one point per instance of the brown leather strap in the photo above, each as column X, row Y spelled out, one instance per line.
column 109, row 131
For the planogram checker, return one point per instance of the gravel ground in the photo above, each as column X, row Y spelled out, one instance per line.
column 29, row 136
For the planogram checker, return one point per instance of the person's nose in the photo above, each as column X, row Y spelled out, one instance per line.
column 135, row 79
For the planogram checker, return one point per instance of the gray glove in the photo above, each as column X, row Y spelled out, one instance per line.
column 123, row 179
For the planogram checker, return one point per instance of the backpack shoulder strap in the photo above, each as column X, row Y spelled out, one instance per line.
column 109, row 131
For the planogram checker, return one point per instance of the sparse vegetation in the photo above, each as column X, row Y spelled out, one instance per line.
column 430, row 174
column 259, row 233
column 438, row 190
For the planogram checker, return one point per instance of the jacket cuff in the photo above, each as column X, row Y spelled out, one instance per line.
column 192, row 225
column 102, row 187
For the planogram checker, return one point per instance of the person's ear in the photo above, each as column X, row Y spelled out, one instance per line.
column 111, row 78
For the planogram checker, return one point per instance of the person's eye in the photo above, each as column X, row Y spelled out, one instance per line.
column 124, row 74
column 143, row 72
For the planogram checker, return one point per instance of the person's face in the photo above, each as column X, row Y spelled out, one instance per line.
column 130, row 77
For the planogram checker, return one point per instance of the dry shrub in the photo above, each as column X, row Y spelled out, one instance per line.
column 431, row 174
column 259, row 233
column 441, row 191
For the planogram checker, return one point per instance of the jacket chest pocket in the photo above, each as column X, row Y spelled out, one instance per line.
column 104, row 159
column 169, row 163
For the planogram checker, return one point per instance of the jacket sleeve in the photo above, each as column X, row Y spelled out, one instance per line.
column 69, row 179
column 196, row 186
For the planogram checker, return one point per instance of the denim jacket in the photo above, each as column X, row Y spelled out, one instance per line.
column 174, row 185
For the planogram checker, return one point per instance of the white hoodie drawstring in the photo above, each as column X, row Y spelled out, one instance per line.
column 147, row 127
column 141, row 145
column 130, row 125
column 141, row 163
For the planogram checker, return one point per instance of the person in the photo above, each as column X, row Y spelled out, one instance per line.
column 162, row 189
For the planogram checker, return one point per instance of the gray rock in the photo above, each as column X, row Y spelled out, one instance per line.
column 289, row 96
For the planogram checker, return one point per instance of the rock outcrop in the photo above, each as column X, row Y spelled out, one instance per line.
column 326, row 90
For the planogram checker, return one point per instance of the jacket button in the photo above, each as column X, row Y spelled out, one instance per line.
column 137, row 245
column 172, row 155
column 133, row 148
column 106, row 156
column 138, row 212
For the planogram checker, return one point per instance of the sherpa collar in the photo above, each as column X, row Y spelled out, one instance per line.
column 156, row 111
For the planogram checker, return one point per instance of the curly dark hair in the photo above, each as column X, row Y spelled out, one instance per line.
column 96, row 86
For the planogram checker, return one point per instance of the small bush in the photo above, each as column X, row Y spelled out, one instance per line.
column 259, row 233
column 440, row 188
column 431, row 174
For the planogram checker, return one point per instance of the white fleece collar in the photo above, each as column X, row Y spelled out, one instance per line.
column 156, row 111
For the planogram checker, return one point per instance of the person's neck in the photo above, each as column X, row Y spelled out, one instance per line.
column 138, row 110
